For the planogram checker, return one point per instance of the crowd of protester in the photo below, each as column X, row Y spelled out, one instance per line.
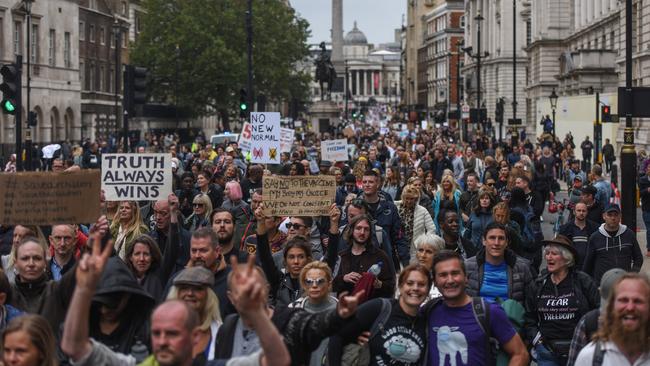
column 432, row 253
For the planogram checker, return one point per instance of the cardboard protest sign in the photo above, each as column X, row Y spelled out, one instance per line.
column 265, row 137
column 287, row 136
column 298, row 195
column 244, row 142
column 334, row 150
column 136, row 177
column 46, row 198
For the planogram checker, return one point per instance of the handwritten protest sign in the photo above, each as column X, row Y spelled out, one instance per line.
column 136, row 177
column 265, row 137
column 244, row 142
column 286, row 139
column 45, row 198
column 334, row 150
column 298, row 196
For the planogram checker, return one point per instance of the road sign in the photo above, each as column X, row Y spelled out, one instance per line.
column 634, row 102
column 465, row 110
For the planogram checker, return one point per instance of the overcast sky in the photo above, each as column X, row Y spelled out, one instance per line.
column 377, row 19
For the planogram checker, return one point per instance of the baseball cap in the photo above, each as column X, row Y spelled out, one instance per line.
column 229, row 149
column 612, row 208
column 607, row 281
column 578, row 177
column 195, row 276
column 590, row 190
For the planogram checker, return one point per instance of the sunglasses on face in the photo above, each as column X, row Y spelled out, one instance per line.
column 315, row 281
column 290, row 225
column 197, row 205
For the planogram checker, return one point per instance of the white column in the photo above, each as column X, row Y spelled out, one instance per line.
column 612, row 4
column 590, row 11
column 597, row 9
column 381, row 83
column 576, row 15
column 357, row 82
column 583, row 12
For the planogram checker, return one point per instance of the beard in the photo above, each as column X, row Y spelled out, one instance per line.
column 633, row 341
column 224, row 238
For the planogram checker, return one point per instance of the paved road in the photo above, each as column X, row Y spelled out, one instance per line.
column 549, row 220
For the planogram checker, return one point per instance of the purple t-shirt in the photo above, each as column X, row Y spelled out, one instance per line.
column 455, row 333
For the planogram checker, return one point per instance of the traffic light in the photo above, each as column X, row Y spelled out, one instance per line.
column 135, row 86
column 10, row 88
column 499, row 111
column 606, row 113
column 243, row 104
column 32, row 119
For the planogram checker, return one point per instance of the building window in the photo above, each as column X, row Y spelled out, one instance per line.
column 18, row 38
column 67, row 50
column 462, row 21
column 2, row 36
column 612, row 40
column 125, row 40
column 112, row 41
column 91, row 34
column 529, row 32
column 34, row 41
column 123, row 7
column 82, row 31
column 102, row 36
column 82, row 76
column 91, row 77
column 51, row 54
column 102, row 75
column 111, row 80
column 93, row 4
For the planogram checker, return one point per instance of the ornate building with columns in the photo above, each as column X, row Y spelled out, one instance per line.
column 505, row 58
column 55, row 88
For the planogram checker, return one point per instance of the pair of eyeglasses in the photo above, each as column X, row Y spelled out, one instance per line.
column 290, row 225
column 310, row 282
column 197, row 205
column 490, row 184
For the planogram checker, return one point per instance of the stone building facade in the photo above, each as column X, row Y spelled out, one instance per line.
column 55, row 86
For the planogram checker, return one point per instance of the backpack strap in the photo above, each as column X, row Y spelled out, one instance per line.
column 599, row 355
column 384, row 314
column 481, row 312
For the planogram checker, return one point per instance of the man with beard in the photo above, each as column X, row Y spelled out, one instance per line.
column 223, row 224
column 163, row 227
column 452, row 321
column 449, row 227
column 624, row 337
column 206, row 251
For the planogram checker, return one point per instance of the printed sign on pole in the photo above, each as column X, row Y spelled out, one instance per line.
column 244, row 142
column 265, row 137
column 334, row 150
column 286, row 139
column 136, row 177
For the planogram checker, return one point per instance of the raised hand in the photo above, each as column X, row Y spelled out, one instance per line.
column 90, row 267
column 335, row 217
column 101, row 226
column 260, row 217
column 247, row 291
column 348, row 304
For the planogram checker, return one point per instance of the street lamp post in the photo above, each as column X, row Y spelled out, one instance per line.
column 347, row 89
column 478, row 56
column 459, row 45
column 553, row 99
column 117, row 32
column 514, row 62
column 28, row 131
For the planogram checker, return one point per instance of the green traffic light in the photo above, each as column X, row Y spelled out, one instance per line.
column 243, row 106
column 8, row 107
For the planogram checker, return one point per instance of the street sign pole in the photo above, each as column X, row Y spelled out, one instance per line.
column 628, row 152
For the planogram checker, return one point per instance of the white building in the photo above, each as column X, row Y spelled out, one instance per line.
column 499, row 67
column 55, row 88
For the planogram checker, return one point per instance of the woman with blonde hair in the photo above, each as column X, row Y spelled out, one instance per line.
column 29, row 340
column 447, row 197
column 21, row 232
column 126, row 226
column 416, row 220
column 202, row 207
column 193, row 286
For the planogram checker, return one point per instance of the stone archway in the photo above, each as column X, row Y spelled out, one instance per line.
column 55, row 122
column 39, row 133
column 69, row 125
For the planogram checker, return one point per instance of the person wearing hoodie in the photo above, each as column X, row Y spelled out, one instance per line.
column 120, row 310
column 614, row 245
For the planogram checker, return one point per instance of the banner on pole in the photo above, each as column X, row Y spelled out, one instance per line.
column 136, row 177
column 298, row 195
column 265, row 137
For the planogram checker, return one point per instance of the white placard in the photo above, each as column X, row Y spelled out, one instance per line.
column 244, row 142
column 334, row 150
column 265, row 137
column 287, row 136
column 136, row 177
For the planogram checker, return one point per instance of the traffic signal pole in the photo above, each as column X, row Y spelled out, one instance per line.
column 28, row 132
column 18, row 116
column 249, row 49
column 628, row 152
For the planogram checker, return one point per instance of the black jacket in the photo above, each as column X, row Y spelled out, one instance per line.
column 644, row 184
column 282, row 290
column 134, row 321
column 586, row 292
column 605, row 252
column 520, row 278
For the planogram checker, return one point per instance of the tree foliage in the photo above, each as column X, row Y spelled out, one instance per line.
column 199, row 47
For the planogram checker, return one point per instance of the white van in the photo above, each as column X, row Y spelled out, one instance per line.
column 221, row 138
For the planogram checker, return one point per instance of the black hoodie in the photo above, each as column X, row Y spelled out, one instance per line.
column 134, row 320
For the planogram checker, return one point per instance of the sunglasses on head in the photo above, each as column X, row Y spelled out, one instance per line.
column 290, row 225
column 315, row 281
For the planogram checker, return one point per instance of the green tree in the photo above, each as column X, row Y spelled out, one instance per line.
column 199, row 47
